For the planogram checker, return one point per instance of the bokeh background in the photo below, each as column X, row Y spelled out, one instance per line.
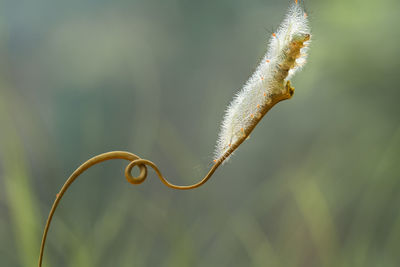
column 317, row 184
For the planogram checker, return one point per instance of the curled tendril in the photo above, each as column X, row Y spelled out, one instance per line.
column 142, row 164
column 135, row 161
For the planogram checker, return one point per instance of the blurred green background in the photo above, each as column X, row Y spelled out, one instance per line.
column 316, row 185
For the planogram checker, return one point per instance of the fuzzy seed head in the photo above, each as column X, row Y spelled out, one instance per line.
column 286, row 55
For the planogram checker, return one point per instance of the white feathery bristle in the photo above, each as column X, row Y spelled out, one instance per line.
column 267, row 78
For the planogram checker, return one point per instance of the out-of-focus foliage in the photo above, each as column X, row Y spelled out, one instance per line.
column 317, row 184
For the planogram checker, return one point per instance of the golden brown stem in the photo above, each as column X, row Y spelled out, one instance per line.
column 143, row 163
column 134, row 161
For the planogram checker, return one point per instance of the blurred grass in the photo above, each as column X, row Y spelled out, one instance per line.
column 19, row 196
column 316, row 185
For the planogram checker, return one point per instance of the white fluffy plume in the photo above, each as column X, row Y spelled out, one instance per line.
column 271, row 75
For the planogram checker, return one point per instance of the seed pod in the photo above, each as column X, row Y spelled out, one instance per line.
column 286, row 55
